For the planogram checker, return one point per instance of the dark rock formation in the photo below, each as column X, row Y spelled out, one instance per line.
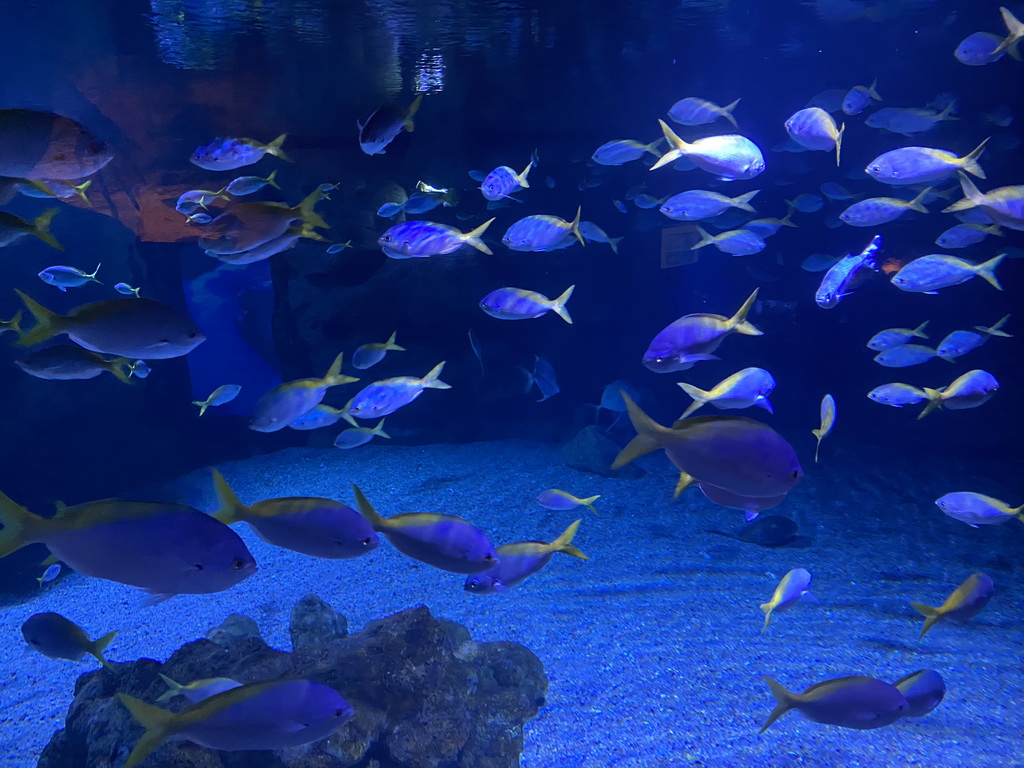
column 425, row 696
column 591, row 450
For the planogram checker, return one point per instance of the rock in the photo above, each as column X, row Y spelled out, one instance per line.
column 314, row 622
column 236, row 627
column 593, row 451
column 424, row 693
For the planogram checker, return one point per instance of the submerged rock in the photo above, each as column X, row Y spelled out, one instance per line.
column 425, row 695
column 234, row 628
column 591, row 450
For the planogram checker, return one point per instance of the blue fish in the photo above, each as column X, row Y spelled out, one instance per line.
column 847, row 274
column 420, row 239
column 228, row 154
column 543, row 376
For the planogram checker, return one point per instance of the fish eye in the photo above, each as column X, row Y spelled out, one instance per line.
column 339, row 712
column 198, row 566
column 489, row 556
column 367, row 541
column 238, row 564
column 193, row 334
column 796, row 473
column 386, row 238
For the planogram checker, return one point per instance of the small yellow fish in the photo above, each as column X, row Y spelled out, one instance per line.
column 828, row 420
column 197, row 690
column 964, row 603
column 14, row 324
column 561, row 501
column 794, row 586
column 222, row 394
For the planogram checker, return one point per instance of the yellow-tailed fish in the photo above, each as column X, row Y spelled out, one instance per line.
column 828, row 420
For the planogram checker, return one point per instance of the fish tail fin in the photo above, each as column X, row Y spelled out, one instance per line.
column 94, row 273
column 727, row 111
column 48, row 324
column 410, row 126
column 705, row 239
column 157, row 723
column 614, row 243
column 970, row 162
column 173, row 689
column 972, row 196
column 839, row 142
column 934, row 401
column 473, row 238
column 784, row 701
column 699, row 397
column 919, row 331
column 988, row 271
column 202, row 405
column 650, row 435
column 270, row 180
column 334, row 377
column 743, row 201
column 589, row 502
column 677, row 147
column 431, row 380
column 14, row 324
column 873, row 90
column 306, row 212
column 1014, row 32
column 18, row 526
column 231, row 510
column 521, row 177
column 767, row 608
column 41, row 228
column 931, row 616
column 947, row 113
column 916, row 205
column 80, row 190
column 787, row 220
column 685, row 481
column 652, row 148
column 274, row 148
column 118, row 366
column 379, row 430
column 574, row 226
column 738, row 322
column 390, row 344
column 564, row 542
column 818, row 433
column 996, row 328
column 99, row 645
column 558, row 305
column 366, row 509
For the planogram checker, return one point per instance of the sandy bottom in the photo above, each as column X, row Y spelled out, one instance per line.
column 653, row 647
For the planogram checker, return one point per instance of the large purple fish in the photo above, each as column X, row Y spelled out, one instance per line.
column 859, row 702
column 443, row 541
column 258, row 716
column 740, row 456
column 42, row 146
column 164, row 549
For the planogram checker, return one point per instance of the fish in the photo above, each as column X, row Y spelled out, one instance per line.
column 979, row 49
column 693, row 338
column 226, row 154
column 966, row 602
column 126, row 290
column 43, row 146
column 795, row 586
column 540, row 233
column 247, row 185
column 767, row 227
column 731, row 157
column 139, row 329
column 443, row 541
column 14, row 228
column 967, row 234
column 270, row 247
column 1004, row 205
column 697, row 204
column 247, row 226
column 744, row 389
column 384, row 397
column 563, row 501
column 521, row 304
column 905, row 355
column 288, row 401
column 831, row 99
column 923, row 690
column 847, row 274
column 695, row 111
column 1014, row 33
column 66, row 362
column 313, row 526
column 897, row 395
column 594, row 234
column 58, row 637
column 910, row 122
column 338, row 247
column 368, row 355
column 543, row 377
column 894, row 337
column 258, row 716
column 806, row 203
column 646, row 202
column 390, row 210
column 384, row 125
column 623, row 151
column 197, row 199
column 353, row 437
column 923, row 165
column 225, row 393
column 50, row 574
column 68, row 277
column 620, row 206
column 202, row 217
column 858, row 702
column 859, row 96
column 815, row 129
column 163, row 549
column 977, row 509
column 739, row 455
column 835, row 191
column 318, row 418
column 931, row 273
column 828, row 421
column 970, row 390
column 881, row 210
column 197, row 690
column 735, row 242
column 819, row 262
column 421, row 239
column 139, row 369
column 517, row 562
column 502, row 182
column 959, row 343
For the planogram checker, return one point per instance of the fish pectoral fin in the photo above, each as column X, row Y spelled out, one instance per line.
column 154, row 598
